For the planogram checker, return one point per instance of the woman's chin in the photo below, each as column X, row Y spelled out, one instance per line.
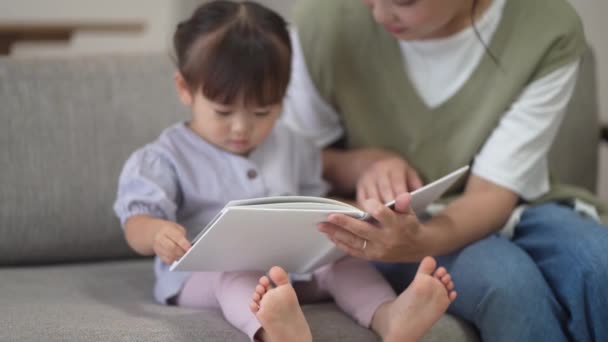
column 405, row 35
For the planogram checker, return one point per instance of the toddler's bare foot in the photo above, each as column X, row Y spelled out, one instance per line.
column 278, row 310
column 425, row 300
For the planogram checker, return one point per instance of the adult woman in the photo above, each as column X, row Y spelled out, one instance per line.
column 420, row 87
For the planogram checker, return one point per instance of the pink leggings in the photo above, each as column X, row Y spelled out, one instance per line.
column 355, row 285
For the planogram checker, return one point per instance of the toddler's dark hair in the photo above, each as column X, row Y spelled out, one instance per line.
column 231, row 49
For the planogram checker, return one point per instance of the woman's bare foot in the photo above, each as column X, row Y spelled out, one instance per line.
column 426, row 299
column 278, row 310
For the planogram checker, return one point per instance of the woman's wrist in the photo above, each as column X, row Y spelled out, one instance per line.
column 432, row 236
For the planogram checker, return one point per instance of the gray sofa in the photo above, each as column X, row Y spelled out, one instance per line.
column 66, row 274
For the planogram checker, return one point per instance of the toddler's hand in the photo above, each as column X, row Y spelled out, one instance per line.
column 170, row 242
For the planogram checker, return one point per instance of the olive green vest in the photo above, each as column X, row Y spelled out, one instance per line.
column 358, row 68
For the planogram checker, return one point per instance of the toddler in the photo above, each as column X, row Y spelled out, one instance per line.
column 233, row 63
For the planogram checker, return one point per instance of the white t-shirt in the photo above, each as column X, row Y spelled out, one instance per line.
column 515, row 154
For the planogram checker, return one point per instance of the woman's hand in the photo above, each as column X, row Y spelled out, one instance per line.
column 170, row 242
column 395, row 236
column 385, row 179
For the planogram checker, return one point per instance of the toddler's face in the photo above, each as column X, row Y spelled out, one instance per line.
column 235, row 128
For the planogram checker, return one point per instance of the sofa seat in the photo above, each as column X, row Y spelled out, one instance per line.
column 112, row 301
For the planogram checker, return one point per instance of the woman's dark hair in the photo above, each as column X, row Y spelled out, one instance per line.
column 233, row 51
column 485, row 45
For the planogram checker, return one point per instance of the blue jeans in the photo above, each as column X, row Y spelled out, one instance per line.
column 549, row 283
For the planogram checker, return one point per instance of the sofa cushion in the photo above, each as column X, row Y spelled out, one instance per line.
column 574, row 155
column 112, row 301
column 67, row 127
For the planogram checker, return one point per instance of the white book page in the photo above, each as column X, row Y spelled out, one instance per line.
column 305, row 206
column 429, row 193
column 286, row 199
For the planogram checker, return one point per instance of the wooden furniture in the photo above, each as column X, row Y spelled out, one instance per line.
column 11, row 33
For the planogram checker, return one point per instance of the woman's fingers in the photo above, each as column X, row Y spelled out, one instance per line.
column 386, row 179
column 413, row 180
column 392, row 235
column 403, row 204
column 357, row 227
column 349, row 239
column 399, row 182
column 380, row 212
column 352, row 251
column 361, row 193
column 361, row 229
column 376, row 186
column 370, row 188
column 385, row 188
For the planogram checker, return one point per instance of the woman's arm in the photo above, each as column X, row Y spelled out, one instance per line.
column 483, row 209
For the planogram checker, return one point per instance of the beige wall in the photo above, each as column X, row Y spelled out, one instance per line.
column 284, row 7
column 157, row 15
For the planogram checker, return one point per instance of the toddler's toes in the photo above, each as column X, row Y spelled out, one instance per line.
column 264, row 281
column 450, row 286
column 260, row 290
column 440, row 272
column 446, row 279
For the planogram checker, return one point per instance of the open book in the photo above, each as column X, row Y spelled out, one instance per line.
column 256, row 234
